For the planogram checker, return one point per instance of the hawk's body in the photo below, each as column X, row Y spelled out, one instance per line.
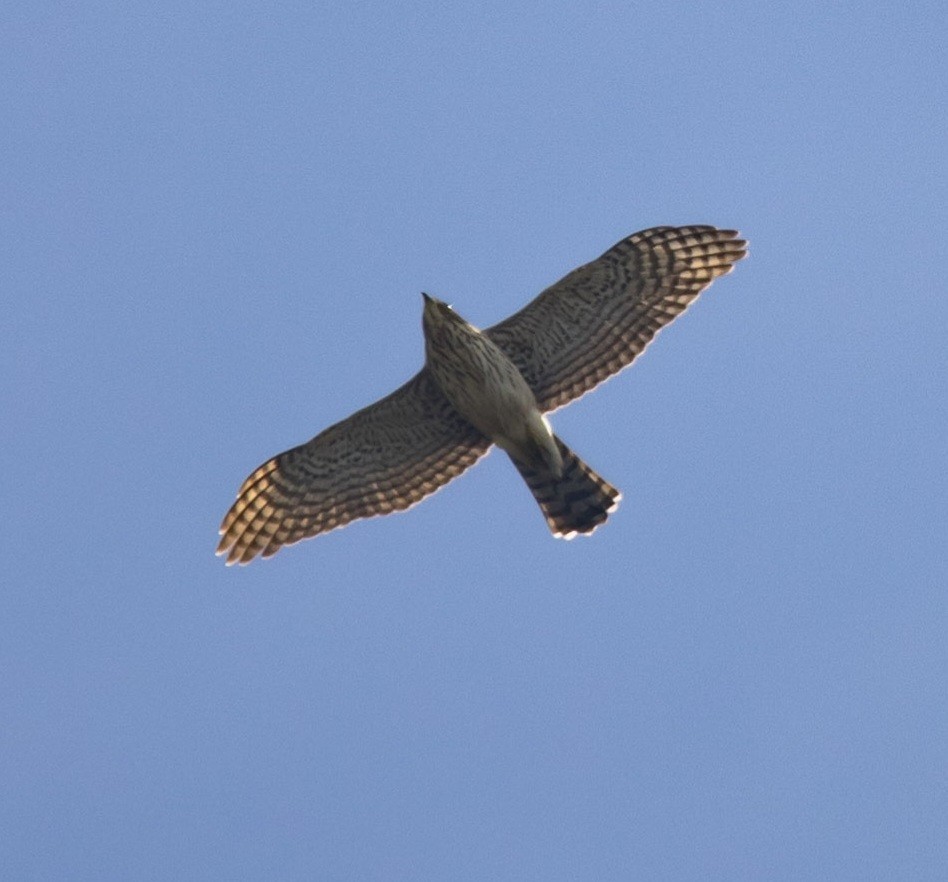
column 488, row 390
column 482, row 388
column 485, row 387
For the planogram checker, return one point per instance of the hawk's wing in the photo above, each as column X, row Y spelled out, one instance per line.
column 384, row 458
column 595, row 321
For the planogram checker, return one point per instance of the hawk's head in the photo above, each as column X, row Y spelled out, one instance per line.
column 437, row 313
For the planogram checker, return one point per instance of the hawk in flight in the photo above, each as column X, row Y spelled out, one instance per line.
column 479, row 388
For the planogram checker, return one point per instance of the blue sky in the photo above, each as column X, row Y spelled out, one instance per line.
column 217, row 221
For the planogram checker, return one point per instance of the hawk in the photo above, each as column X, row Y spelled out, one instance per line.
column 480, row 388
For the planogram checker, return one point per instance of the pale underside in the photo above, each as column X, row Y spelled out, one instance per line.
column 390, row 455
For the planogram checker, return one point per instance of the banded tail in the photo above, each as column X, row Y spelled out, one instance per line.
column 577, row 502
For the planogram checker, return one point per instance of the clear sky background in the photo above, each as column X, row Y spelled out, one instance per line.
column 217, row 219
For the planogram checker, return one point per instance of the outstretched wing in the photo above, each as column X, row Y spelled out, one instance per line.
column 595, row 321
column 384, row 458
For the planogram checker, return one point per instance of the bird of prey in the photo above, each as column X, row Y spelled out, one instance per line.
column 480, row 388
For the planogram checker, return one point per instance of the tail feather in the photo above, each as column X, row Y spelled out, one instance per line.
column 576, row 502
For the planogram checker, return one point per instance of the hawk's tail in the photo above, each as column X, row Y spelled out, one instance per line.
column 576, row 502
